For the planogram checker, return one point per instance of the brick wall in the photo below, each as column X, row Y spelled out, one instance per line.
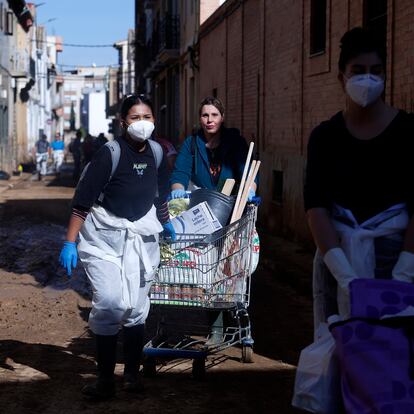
column 257, row 54
column 213, row 62
column 401, row 55
column 233, row 95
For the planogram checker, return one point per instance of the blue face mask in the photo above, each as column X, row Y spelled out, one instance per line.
column 364, row 89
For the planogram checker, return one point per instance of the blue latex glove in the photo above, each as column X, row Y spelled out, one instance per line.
column 252, row 194
column 178, row 193
column 68, row 256
column 169, row 231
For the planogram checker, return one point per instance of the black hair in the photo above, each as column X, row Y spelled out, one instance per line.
column 130, row 100
column 210, row 100
column 356, row 42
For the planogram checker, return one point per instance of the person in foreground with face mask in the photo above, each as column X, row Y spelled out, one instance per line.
column 358, row 188
column 118, row 219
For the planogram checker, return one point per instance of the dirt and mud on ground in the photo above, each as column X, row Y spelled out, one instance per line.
column 46, row 350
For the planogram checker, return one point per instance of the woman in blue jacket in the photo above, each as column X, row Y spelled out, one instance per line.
column 207, row 159
column 213, row 154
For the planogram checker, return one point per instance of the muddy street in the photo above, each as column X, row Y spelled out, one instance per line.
column 47, row 352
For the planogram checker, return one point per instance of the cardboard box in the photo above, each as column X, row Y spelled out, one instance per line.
column 197, row 220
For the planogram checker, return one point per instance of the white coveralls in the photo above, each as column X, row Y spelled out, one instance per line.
column 120, row 258
column 41, row 162
column 58, row 156
column 357, row 242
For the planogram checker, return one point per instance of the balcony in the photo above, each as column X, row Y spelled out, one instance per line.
column 164, row 45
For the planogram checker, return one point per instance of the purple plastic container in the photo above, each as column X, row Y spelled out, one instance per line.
column 376, row 357
column 373, row 298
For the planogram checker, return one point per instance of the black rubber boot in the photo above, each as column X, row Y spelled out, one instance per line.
column 104, row 387
column 217, row 329
column 133, row 344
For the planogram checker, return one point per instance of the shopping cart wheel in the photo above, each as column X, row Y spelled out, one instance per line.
column 247, row 354
column 199, row 368
column 149, row 367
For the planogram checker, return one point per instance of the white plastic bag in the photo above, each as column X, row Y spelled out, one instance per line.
column 317, row 382
column 255, row 251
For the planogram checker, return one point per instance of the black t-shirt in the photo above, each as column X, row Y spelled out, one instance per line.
column 42, row 146
column 365, row 176
column 132, row 190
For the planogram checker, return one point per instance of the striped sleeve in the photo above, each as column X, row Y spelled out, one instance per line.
column 162, row 213
column 80, row 213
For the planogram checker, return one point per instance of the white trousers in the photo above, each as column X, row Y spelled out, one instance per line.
column 120, row 265
column 41, row 162
column 58, row 156
column 109, row 311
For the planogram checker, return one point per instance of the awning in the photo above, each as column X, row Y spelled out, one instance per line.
column 22, row 12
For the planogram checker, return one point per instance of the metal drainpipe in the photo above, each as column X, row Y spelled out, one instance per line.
column 242, row 69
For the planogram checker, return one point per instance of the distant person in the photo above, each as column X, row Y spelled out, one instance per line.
column 87, row 149
column 99, row 141
column 42, row 150
column 75, row 149
column 58, row 148
column 169, row 151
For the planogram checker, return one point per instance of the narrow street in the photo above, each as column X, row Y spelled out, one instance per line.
column 47, row 353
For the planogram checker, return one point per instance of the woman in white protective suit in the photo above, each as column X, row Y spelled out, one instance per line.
column 359, row 194
column 118, row 214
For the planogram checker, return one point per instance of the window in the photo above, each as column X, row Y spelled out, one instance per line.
column 9, row 23
column 317, row 26
column 277, row 186
column 375, row 19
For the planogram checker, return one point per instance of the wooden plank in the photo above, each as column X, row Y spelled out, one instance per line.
column 228, row 186
column 242, row 182
column 249, row 182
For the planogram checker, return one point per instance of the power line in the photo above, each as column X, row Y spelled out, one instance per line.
column 111, row 65
column 84, row 78
column 77, row 45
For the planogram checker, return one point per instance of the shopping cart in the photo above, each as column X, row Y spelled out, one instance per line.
column 203, row 272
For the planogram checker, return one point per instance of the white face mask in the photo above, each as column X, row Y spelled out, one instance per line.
column 364, row 89
column 140, row 131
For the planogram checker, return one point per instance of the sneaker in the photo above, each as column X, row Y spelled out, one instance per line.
column 101, row 390
column 133, row 384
